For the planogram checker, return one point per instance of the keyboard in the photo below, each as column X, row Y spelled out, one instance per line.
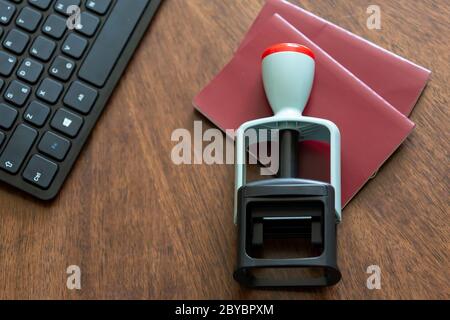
column 60, row 61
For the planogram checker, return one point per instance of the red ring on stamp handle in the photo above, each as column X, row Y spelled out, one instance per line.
column 288, row 47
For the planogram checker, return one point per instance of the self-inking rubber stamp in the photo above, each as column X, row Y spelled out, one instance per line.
column 287, row 207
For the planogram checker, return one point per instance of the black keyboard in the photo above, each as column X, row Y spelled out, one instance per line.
column 58, row 67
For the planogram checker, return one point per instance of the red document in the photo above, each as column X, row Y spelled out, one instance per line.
column 371, row 128
column 397, row 80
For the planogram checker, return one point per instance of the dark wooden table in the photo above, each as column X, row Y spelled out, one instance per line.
column 141, row 227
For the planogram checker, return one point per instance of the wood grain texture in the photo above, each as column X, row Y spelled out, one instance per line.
column 141, row 227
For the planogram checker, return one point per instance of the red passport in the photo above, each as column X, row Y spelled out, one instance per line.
column 397, row 80
column 371, row 129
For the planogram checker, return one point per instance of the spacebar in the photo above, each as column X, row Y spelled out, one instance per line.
column 111, row 41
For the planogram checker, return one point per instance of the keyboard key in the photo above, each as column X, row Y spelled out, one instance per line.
column 98, row 6
column 7, row 116
column 2, row 138
column 17, row 93
column 67, row 123
column 80, row 97
column 36, row 113
column 17, row 148
column 54, row 146
column 89, row 24
column 62, row 68
column 42, row 48
column 49, row 90
column 6, row 12
column 41, row 4
column 104, row 53
column 16, row 41
column 74, row 46
column 40, row 171
column 54, row 26
column 30, row 70
column 7, row 63
column 62, row 6
column 29, row 19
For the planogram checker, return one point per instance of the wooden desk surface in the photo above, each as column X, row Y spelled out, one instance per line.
column 142, row 227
